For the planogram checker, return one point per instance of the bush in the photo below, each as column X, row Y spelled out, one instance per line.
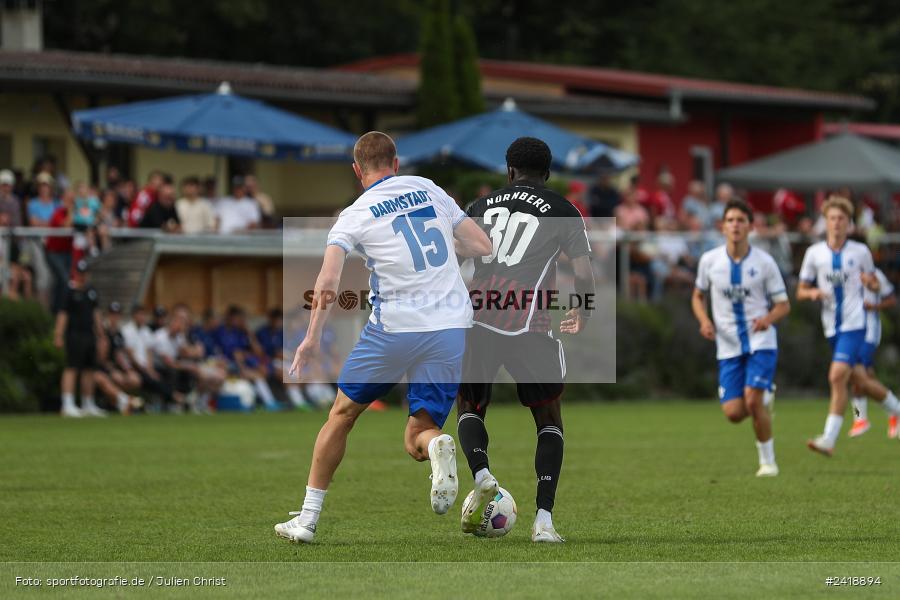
column 30, row 365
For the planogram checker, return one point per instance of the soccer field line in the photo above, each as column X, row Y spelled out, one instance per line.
column 466, row 562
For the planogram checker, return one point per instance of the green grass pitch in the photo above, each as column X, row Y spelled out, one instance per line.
column 655, row 500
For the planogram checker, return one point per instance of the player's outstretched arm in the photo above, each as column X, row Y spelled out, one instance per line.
column 324, row 295
column 470, row 240
column 698, row 306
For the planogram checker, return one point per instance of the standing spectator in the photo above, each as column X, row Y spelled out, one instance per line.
column 108, row 218
column 696, row 206
column 266, row 206
column 59, row 250
column 78, row 325
column 630, row 214
column 11, row 216
column 238, row 212
column 84, row 217
column 41, row 207
column 724, row 194
column 661, row 203
column 145, row 198
column 789, row 205
column 49, row 165
column 196, row 214
column 576, row 195
column 603, row 197
column 126, row 191
column 162, row 213
column 211, row 189
column 671, row 260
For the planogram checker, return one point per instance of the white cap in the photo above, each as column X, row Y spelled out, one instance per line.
column 7, row 177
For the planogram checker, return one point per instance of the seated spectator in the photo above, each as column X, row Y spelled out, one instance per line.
column 115, row 376
column 146, row 198
column 603, row 197
column 696, row 205
column 208, row 373
column 243, row 354
column 789, row 205
column 205, row 333
column 317, row 376
column 238, row 212
column 42, row 206
column 630, row 215
column 661, row 203
column 139, row 344
column 195, row 214
column 108, row 218
column 271, row 339
column 162, row 213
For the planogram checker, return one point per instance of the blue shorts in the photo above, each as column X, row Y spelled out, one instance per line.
column 755, row 370
column 847, row 346
column 867, row 355
column 431, row 361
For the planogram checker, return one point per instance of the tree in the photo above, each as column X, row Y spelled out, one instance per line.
column 438, row 89
column 468, row 75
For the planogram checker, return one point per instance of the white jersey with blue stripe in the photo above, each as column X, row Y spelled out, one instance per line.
column 403, row 225
column 837, row 274
column 741, row 292
column 873, row 317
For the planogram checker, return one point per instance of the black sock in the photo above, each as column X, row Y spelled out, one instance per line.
column 547, row 464
column 473, row 437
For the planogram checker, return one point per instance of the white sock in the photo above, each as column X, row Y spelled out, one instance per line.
column 891, row 404
column 68, row 401
column 481, row 475
column 768, row 396
column 312, row 506
column 295, row 395
column 544, row 517
column 122, row 401
column 88, row 402
column 262, row 388
column 431, row 446
column 766, row 451
column 860, row 407
column 833, row 428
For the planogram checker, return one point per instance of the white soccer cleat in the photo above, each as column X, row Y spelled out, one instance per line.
column 821, row 446
column 767, row 470
column 444, row 483
column 92, row 410
column 543, row 532
column 294, row 531
column 72, row 412
column 473, row 509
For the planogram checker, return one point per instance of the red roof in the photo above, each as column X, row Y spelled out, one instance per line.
column 635, row 83
column 875, row 130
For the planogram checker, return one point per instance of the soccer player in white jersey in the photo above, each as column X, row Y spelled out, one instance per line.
column 834, row 273
column 406, row 227
column 879, row 295
column 748, row 298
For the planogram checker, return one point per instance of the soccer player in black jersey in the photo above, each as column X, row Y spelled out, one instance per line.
column 512, row 291
column 77, row 326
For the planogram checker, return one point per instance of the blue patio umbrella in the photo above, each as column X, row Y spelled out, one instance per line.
column 220, row 123
column 482, row 140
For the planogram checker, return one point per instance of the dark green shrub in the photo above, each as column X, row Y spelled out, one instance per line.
column 30, row 365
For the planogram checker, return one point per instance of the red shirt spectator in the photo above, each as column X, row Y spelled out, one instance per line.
column 145, row 198
column 789, row 205
column 576, row 194
column 61, row 245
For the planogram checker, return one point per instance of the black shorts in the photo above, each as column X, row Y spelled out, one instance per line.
column 535, row 361
column 81, row 351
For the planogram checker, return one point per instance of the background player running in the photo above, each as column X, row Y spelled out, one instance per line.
column 406, row 228
column 529, row 226
column 879, row 296
column 834, row 272
column 748, row 298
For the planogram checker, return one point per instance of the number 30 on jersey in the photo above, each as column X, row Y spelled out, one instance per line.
column 504, row 232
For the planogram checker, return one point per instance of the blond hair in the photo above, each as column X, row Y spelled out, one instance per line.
column 374, row 151
column 839, row 202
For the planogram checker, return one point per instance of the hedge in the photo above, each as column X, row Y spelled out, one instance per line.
column 30, row 365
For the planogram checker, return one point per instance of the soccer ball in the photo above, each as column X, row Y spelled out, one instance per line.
column 499, row 515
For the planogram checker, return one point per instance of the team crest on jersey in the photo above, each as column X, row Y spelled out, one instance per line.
column 736, row 293
column 752, row 272
column 837, row 278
